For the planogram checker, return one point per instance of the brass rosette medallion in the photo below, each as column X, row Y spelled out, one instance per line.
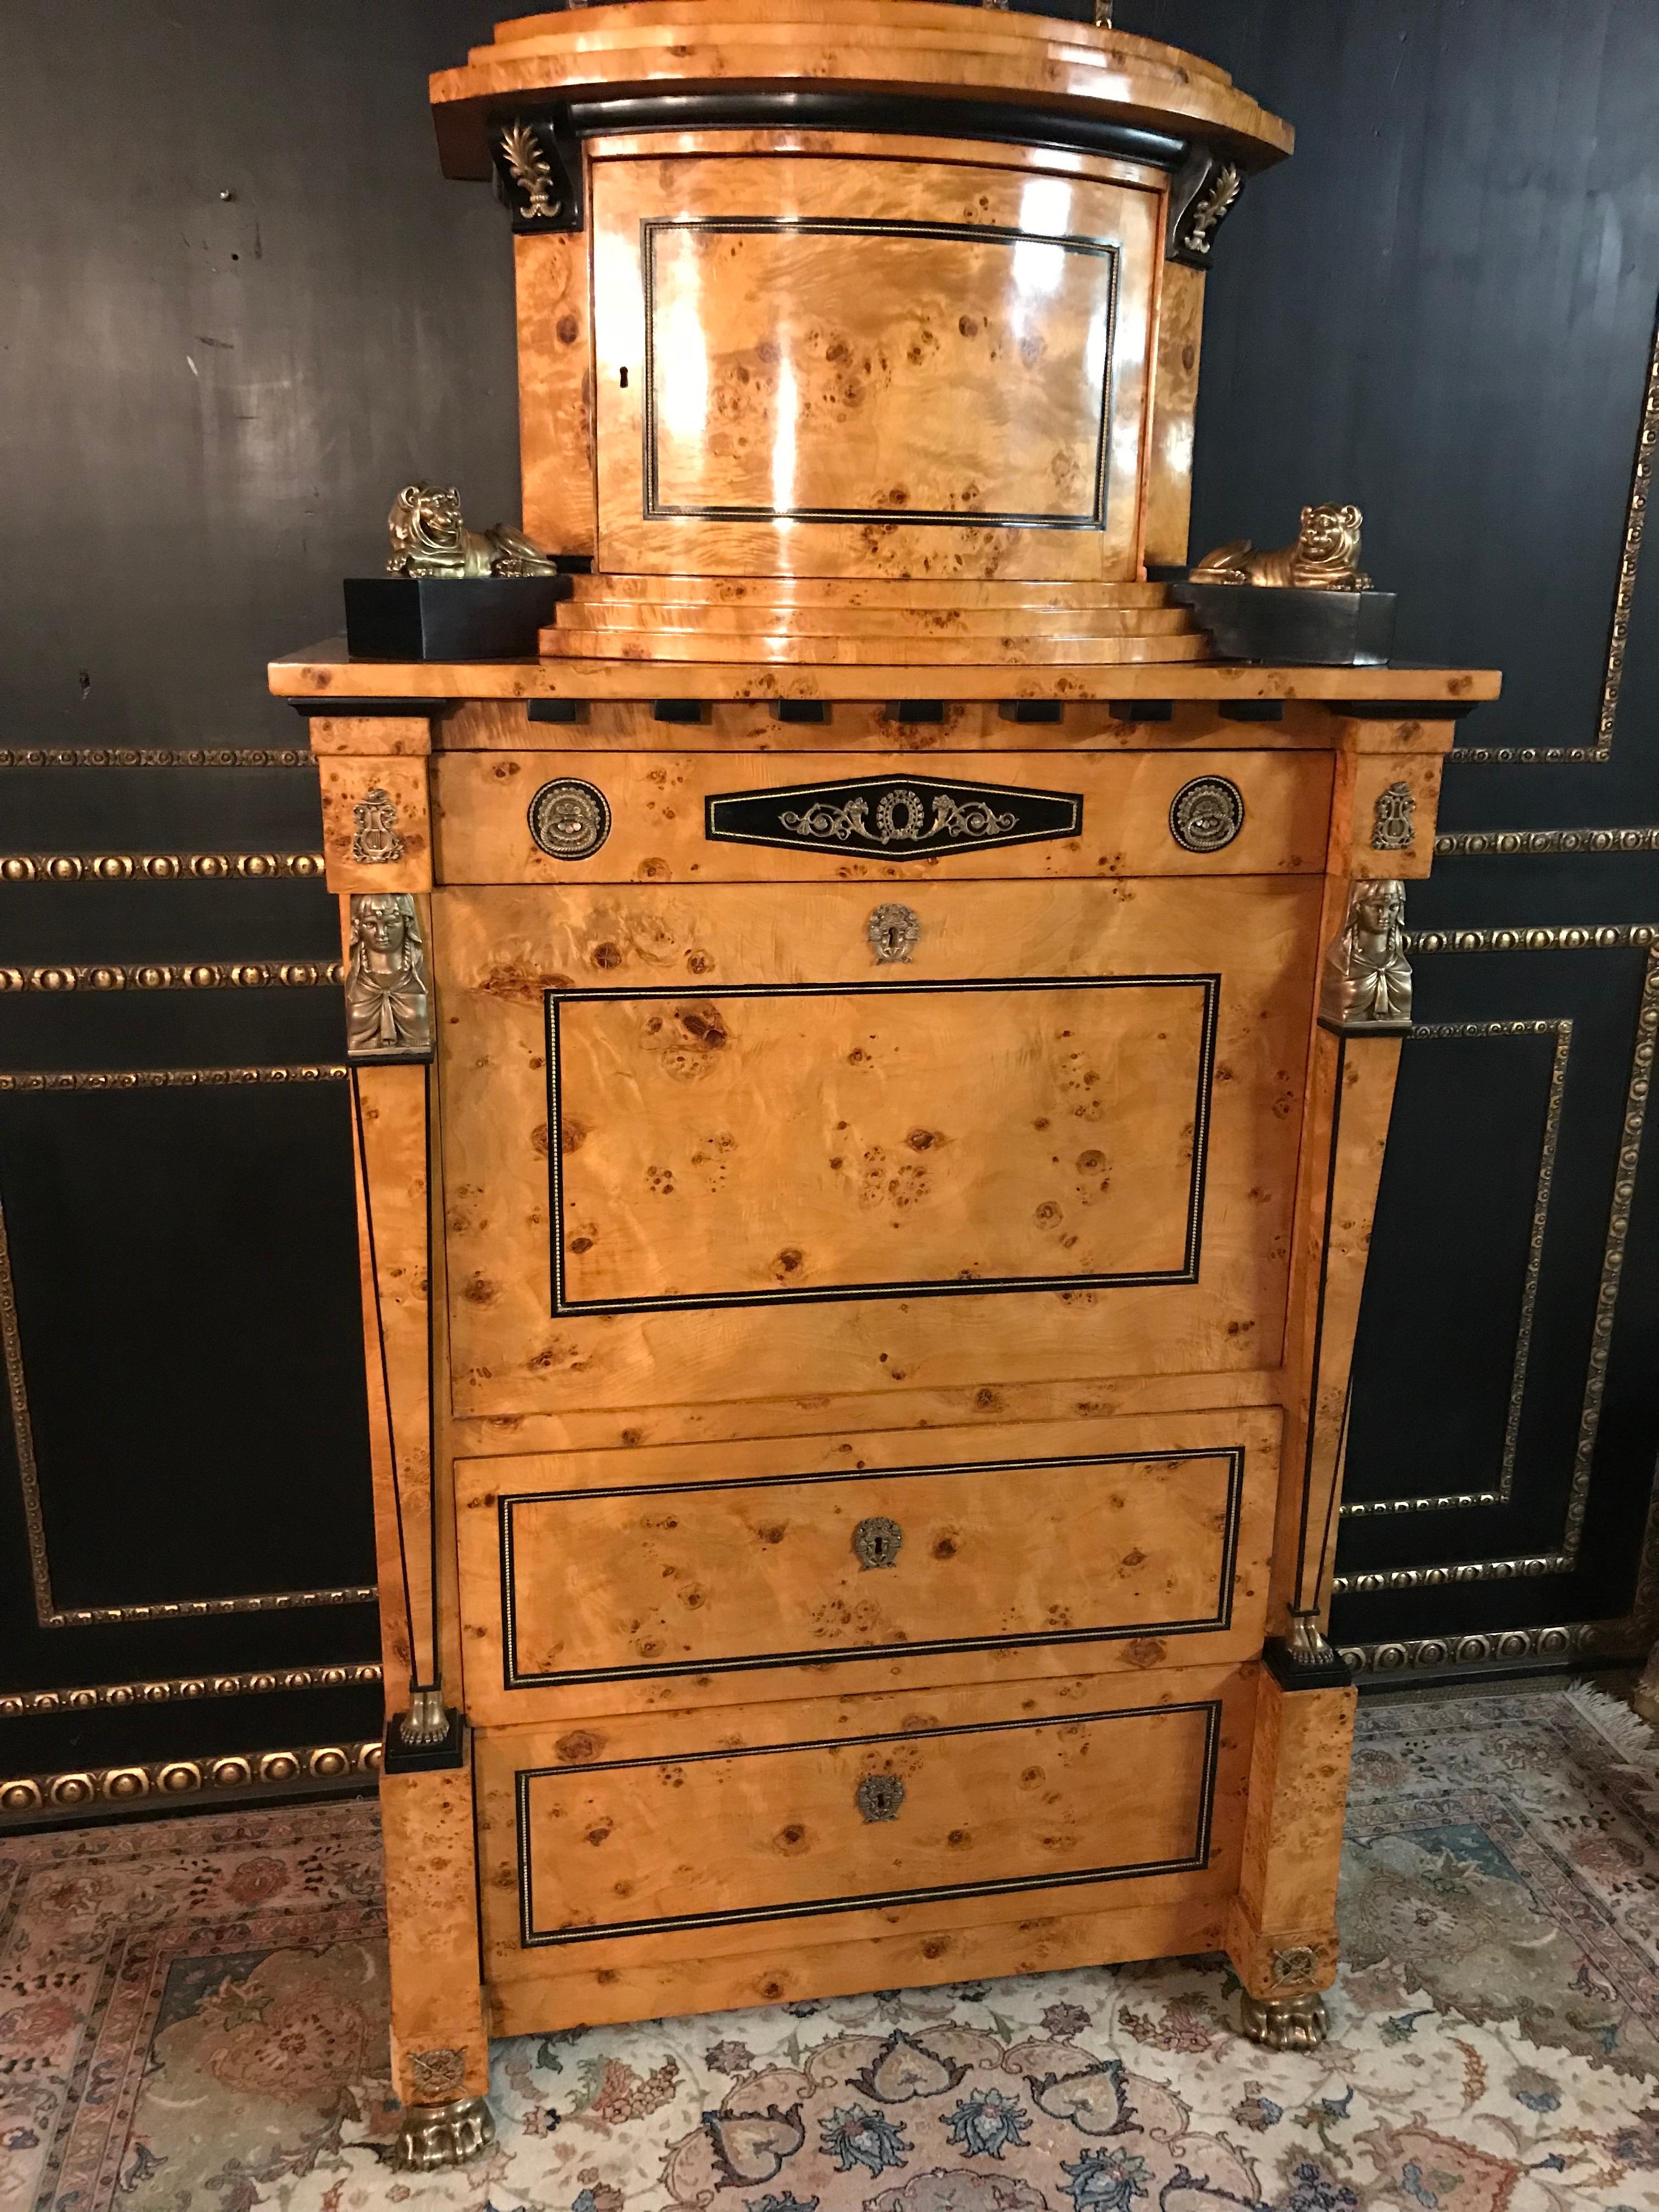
column 1206, row 814
column 569, row 819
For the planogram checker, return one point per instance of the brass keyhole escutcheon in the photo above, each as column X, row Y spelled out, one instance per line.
column 877, row 1541
column 893, row 932
column 880, row 1796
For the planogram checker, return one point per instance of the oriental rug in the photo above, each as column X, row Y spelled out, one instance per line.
column 193, row 2014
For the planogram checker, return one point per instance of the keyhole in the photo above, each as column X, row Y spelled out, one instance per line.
column 624, row 379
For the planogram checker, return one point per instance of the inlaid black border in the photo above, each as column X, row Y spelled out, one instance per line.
column 1220, row 1620
column 718, row 831
column 531, row 1938
column 1096, row 249
column 975, row 1286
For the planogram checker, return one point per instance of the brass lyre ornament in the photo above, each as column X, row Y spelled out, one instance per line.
column 376, row 841
column 1324, row 557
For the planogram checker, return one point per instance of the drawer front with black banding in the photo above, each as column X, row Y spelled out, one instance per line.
column 701, row 1574
column 662, row 818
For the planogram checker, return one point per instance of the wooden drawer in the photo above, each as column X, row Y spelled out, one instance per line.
column 706, row 1574
column 681, row 1837
column 705, row 816
column 702, row 1144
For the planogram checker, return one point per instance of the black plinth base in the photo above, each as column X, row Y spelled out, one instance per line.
column 1292, row 1671
column 398, row 1757
column 449, row 617
column 1316, row 630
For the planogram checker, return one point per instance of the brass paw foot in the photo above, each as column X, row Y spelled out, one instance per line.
column 436, row 2135
column 1284, row 2023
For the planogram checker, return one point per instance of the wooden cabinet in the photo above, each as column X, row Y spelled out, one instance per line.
column 872, row 1059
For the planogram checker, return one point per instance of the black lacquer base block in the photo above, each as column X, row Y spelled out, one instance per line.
column 1316, row 630
column 449, row 617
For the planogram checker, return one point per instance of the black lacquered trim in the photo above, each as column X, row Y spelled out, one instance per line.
column 911, row 115
column 1219, row 1620
column 954, row 1285
column 530, row 1937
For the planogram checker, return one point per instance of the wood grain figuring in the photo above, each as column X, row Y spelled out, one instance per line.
column 1349, row 1096
column 903, row 44
column 393, row 736
column 556, row 391
column 394, row 1146
column 1175, row 406
column 987, row 1406
column 962, row 1197
column 1293, row 1838
column 714, row 1568
column 688, row 1833
column 657, row 836
column 907, row 1154
column 559, row 1993
column 326, row 670
column 798, row 384
column 346, row 781
column 432, row 1927
column 613, row 726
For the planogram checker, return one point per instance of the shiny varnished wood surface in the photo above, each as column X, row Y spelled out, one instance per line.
column 657, row 800
column 710, row 1828
column 499, row 952
column 327, row 671
column 711, row 1573
column 672, row 45
column 795, row 355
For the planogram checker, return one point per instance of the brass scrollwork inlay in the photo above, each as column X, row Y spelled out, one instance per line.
column 48, row 1612
column 1629, row 556
column 155, row 756
column 165, row 1079
column 1464, row 843
column 1499, row 1647
column 1643, row 936
column 15, row 1703
column 156, row 867
column 26, row 1794
column 175, row 975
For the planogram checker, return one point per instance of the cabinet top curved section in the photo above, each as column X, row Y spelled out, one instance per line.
column 1051, row 79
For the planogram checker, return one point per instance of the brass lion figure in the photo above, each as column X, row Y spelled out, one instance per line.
column 1324, row 558
column 428, row 538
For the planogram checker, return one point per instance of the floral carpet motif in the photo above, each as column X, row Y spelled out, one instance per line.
column 193, row 2014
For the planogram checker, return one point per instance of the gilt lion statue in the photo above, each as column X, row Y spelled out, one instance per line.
column 1324, row 558
column 428, row 538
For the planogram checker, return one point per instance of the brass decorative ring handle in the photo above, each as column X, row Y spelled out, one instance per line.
column 877, row 1541
column 878, row 1797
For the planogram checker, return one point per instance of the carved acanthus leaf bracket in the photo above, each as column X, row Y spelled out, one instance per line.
column 538, row 170
column 1204, row 192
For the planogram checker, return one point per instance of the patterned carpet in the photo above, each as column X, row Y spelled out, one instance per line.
column 194, row 2017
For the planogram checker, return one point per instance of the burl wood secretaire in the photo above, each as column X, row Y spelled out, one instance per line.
column 872, row 1054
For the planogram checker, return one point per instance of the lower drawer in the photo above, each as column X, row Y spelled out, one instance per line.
column 696, row 1836
column 705, row 1573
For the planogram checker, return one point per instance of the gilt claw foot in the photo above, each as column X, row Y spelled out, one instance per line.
column 434, row 2136
column 1285, row 2023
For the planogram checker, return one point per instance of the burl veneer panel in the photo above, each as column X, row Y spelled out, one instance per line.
column 657, row 803
column 758, row 1118
column 827, row 385
column 680, row 1836
column 704, row 1574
